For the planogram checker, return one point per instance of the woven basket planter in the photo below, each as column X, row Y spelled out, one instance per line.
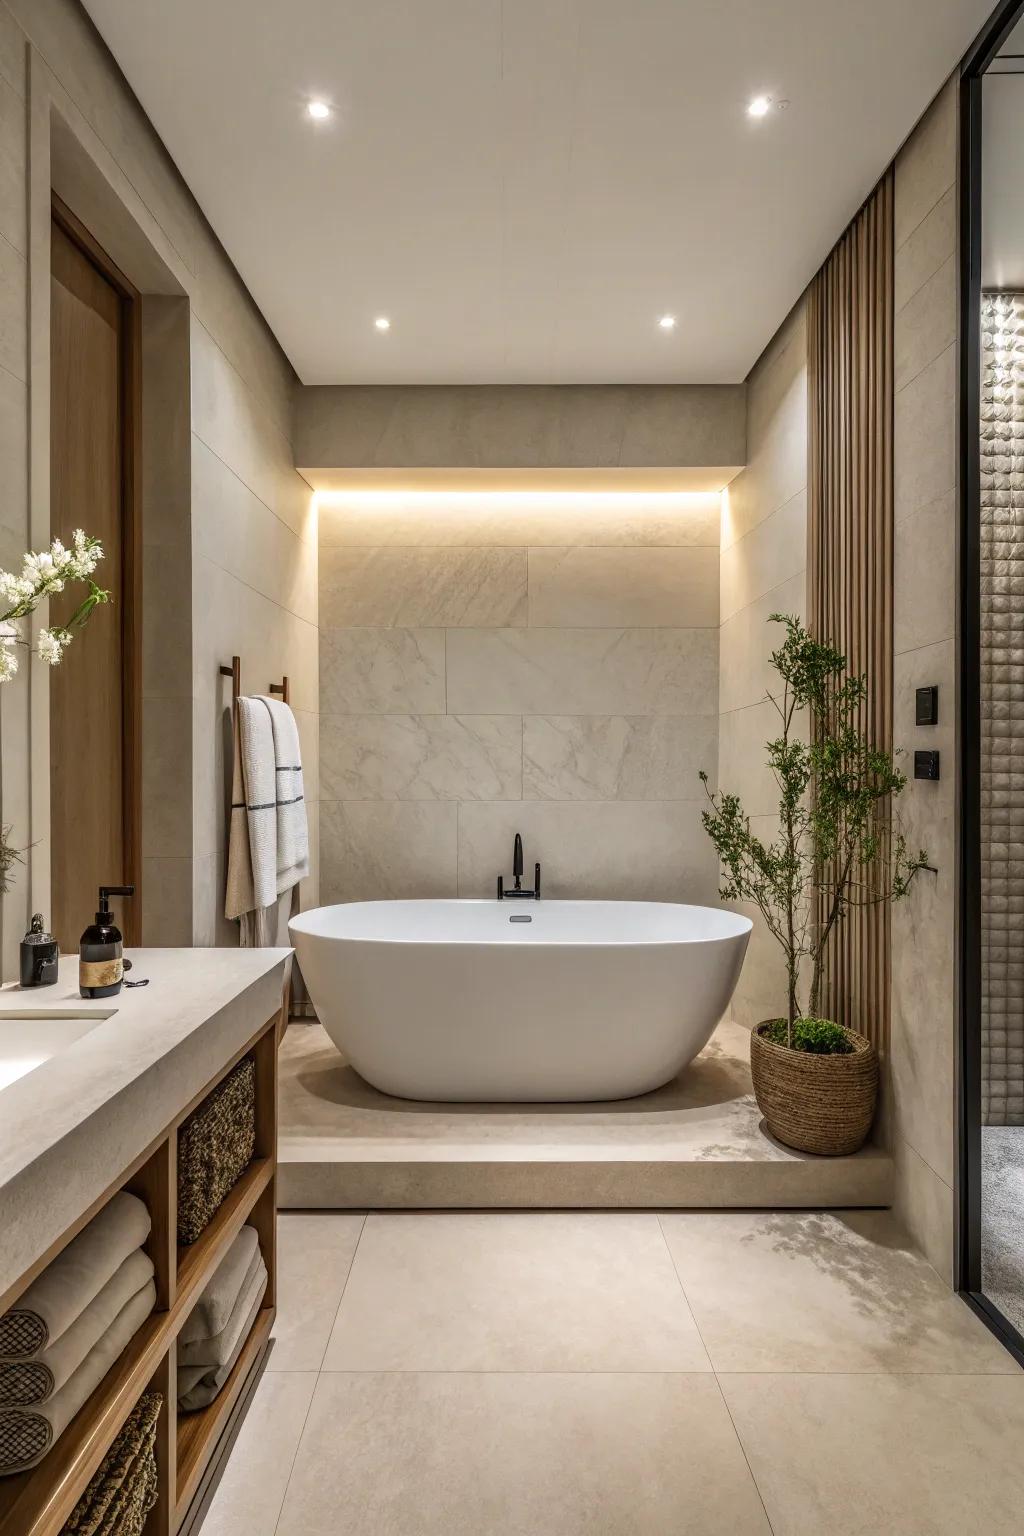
column 215, row 1146
column 822, row 1104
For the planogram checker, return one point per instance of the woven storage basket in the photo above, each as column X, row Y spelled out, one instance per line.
column 822, row 1104
column 123, row 1489
column 215, row 1146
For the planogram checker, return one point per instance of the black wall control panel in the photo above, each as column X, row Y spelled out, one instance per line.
column 926, row 765
column 927, row 706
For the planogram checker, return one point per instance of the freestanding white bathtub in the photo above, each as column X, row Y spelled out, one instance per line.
column 519, row 1000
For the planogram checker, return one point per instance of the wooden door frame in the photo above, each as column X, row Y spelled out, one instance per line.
column 129, row 602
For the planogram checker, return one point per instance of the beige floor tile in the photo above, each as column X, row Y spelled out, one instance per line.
column 251, row 1491
column 900, row 1455
column 314, row 1257
column 520, row 1455
column 532, row 1291
column 803, row 1291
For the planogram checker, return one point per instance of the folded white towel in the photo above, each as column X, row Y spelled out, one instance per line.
column 24, row 1383
column 66, row 1287
column 211, row 1312
column 198, row 1385
column 26, row 1434
column 268, row 839
column 214, row 1351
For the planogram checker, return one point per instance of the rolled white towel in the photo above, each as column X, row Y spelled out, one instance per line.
column 26, row 1434
column 26, row 1382
column 66, row 1287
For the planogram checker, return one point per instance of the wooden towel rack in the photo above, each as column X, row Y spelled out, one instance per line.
column 282, row 688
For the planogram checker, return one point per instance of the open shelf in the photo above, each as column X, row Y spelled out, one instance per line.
column 199, row 1432
column 198, row 1260
column 39, row 1501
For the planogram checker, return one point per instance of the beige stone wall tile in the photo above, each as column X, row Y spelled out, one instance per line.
column 421, row 757
column 410, row 588
column 388, row 850
column 382, row 671
column 618, row 757
column 583, row 671
column 639, row 851
column 579, row 587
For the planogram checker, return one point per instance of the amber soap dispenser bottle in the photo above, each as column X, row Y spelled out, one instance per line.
column 101, row 965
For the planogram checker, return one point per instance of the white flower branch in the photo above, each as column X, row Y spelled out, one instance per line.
column 42, row 576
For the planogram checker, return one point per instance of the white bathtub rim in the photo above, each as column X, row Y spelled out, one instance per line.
column 305, row 925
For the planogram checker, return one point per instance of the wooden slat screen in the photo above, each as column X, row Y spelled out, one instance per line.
column 850, row 535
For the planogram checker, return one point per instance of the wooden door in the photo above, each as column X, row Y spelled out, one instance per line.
column 93, row 692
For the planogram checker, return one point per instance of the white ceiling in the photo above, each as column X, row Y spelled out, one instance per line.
column 524, row 186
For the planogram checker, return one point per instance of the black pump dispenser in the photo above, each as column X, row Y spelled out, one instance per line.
column 101, row 966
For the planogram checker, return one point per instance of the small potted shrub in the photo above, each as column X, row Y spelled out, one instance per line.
column 837, row 847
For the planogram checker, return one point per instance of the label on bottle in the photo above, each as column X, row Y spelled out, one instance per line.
column 100, row 973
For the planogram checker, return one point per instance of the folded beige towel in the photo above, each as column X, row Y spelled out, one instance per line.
column 67, row 1286
column 26, row 1382
column 210, row 1314
column 198, row 1385
column 217, row 1349
column 26, row 1434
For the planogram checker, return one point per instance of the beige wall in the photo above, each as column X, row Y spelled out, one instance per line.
column 521, row 426
column 924, row 926
column 763, row 571
column 538, row 666
column 248, row 528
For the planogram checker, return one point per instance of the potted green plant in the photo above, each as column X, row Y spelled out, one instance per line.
column 838, row 846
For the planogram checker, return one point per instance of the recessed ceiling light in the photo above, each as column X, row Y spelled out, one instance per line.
column 667, row 322
column 318, row 110
column 759, row 107
column 382, row 323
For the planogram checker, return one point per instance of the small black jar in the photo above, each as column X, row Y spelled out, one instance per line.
column 39, row 955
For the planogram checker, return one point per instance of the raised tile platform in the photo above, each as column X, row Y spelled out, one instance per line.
column 698, row 1142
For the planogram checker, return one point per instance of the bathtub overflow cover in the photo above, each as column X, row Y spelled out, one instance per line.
column 522, row 917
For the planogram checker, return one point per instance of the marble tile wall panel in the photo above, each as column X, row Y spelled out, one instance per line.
column 382, row 671
column 618, row 757
column 407, row 588
column 654, row 587
column 616, row 850
column 530, row 521
column 471, row 687
column 421, row 757
column 583, row 671
column 372, row 850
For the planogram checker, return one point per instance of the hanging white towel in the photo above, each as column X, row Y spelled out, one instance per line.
column 292, row 827
column 268, row 839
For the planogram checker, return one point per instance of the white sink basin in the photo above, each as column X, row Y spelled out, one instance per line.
column 31, row 1035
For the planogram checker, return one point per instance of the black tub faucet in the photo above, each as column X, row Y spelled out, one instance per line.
column 517, row 876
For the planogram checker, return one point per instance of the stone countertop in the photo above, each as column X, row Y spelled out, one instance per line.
column 69, row 1127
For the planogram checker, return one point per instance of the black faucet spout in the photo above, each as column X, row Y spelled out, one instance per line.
column 518, row 889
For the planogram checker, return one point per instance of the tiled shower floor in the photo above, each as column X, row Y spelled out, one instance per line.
column 1002, row 1219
